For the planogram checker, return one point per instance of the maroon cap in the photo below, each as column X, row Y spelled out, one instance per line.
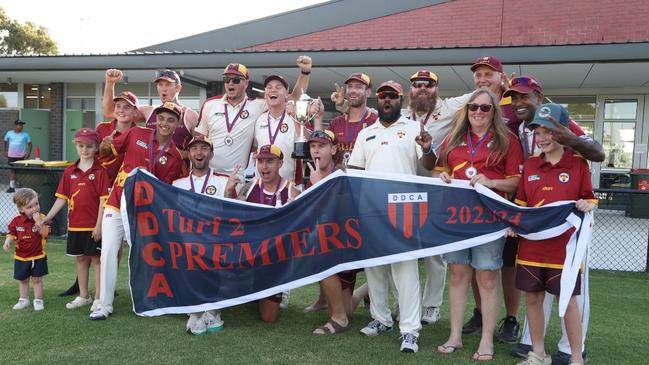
column 170, row 107
column 423, row 75
column 199, row 138
column 236, row 69
column 523, row 85
column 278, row 78
column 360, row 77
column 86, row 135
column 129, row 97
column 269, row 151
column 390, row 85
column 489, row 61
column 168, row 75
column 325, row 136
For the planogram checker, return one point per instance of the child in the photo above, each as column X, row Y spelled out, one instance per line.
column 30, row 257
column 84, row 187
column 557, row 174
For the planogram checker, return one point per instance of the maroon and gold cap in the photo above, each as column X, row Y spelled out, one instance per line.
column 279, row 78
column 128, row 96
column 423, row 75
column 170, row 107
column 523, row 85
column 236, row 69
column 269, row 151
column 360, row 77
column 199, row 138
column 489, row 61
column 325, row 136
column 86, row 135
column 168, row 75
column 390, row 85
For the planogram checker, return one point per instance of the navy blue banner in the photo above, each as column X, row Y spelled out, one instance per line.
column 191, row 253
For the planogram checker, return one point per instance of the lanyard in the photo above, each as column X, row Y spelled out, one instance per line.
column 469, row 142
column 350, row 138
column 207, row 179
column 425, row 121
column 160, row 152
column 227, row 118
column 273, row 137
column 262, row 198
column 529, row 152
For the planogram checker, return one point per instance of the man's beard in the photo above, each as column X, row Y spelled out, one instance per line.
column 358, row 102
column 390, row 116
column 423, row 102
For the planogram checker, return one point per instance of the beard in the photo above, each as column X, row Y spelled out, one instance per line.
column 423, row 102
column 391, row 115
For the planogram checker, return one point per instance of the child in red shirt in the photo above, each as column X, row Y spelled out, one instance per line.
column 557, row 174
column 29, row 233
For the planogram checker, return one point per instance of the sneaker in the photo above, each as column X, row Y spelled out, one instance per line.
column 79, row 302
column 409, row 342
column 96, row 304
column 284, row 303
column 508, row 330
column 430, row 315
column 374, row 328
column 521, row 350
column 11, row 190
column 534, row 359
column 100, row 314
column 72, row 290
column 474, row 324
column 22, row 303
column 39, row 305
column 213, row 322
column 561, row 358
column 195, row 325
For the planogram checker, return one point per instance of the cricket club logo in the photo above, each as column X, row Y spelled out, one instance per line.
column 404, row 207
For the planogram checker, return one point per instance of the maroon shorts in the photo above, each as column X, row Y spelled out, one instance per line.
column 348, row 279
column 509, row 251
column 537, row 279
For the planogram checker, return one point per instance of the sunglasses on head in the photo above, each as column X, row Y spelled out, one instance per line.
column 388, row 95
column 321, row 134
column 167, row 74
column 484, row 107
column 525, row 81
column 423, row 83
column 235, row 80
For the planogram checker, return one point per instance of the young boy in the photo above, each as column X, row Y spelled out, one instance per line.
column 557, row 174
column 30, row 258
column 84, row 187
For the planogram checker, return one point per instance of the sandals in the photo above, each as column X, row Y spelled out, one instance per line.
column 337, row 328
column 448, row 349
column 483, row 357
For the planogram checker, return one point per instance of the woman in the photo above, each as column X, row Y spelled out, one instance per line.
column 482, row 150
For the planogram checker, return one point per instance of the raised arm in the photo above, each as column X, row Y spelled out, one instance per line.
column 112, row 77
column 304, row 63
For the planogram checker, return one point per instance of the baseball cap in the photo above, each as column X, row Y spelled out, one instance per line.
column 390, row 85
column 360, row 77
column 18, row 121
column 170, row 107
column 269, row 151
column 236, row 69
column 325, row 136
column 423, row 75
column 545, row 111
column 523, row 85
column 276, row 77
column 489, row 61
column 128, row 96
column 199, row 138
column 168, row 75
column 86, row 135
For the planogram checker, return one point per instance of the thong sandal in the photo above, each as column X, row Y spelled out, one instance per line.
column 483, row 357
column 337, row 328
column 448, row 349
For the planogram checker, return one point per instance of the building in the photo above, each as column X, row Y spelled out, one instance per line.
column 587, row 59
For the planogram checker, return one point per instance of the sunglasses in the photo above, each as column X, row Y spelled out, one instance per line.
column 387, row 95
column 484, row 107
column 321, row 134
column 235, row 80
column 525, row 81
column 168, row 74
column 423, row 83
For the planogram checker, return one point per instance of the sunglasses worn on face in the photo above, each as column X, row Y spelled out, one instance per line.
column 235, row 80
column 484, row 107
column 423, row 83
column 387, row 95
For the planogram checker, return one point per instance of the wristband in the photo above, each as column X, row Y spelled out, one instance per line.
column 430, row 150
column 305, row 72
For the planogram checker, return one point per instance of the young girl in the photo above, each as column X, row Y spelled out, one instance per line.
column 30, row 258
column 84, row 187
column 557, row 174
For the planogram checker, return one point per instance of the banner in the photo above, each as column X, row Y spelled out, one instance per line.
column 193, row 253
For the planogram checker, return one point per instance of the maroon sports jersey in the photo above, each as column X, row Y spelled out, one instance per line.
column 346, row 133
column 182, row 136
column 30, row 245
column 110, row 162
column 260, row 196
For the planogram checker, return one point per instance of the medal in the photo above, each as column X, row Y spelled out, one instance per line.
column 207, row 179
column 471, row 172
column 273, row 136
column 228, row 140
column 230, row 126
column 159, row 155
column 346, row 157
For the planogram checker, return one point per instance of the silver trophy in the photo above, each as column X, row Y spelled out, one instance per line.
column 300, row 148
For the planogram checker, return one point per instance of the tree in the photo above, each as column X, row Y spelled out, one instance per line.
column 28, row 38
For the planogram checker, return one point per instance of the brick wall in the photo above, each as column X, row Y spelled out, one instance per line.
column 479, row 23
column 56, row 121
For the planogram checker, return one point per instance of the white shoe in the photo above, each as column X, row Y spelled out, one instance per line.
column 285, row 297
column 430, row 315
column 409, row 342
column 213, row 321
column 79, row 302
column 96, row 304
column 195, row 325
column 534, row 359
column 39, row 305
column 22, row 303
column 101, row 313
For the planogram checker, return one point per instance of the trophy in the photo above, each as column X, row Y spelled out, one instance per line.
column 300, row 147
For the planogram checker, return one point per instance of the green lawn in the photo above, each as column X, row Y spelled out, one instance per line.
column 58, row 335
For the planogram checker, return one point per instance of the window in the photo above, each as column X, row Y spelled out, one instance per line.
column 619, row 132
column 8, row 95
column 581, row 109
column 37, row 96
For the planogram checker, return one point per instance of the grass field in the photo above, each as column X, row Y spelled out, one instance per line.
column 618, row 329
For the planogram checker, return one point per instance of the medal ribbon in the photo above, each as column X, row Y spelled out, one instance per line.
column 159, row 154
column 262, row 195
column 207, row 178
column 273, row 137
column 529, row 152
column 414, row 117
column 469, row 142
column 227, row 118
column 350, row 138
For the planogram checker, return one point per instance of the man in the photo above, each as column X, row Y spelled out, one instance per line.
column 527, row 95
column 18, row 146
column 153, row 150
column 229, row 121
column 168, row 86
column 202, row 180
column 390, row 145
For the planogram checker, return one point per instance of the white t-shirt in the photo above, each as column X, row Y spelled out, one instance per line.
column 214, row 187
column 388, row 149
column 284, row 138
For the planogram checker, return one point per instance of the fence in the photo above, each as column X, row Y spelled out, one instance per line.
column 620, row 235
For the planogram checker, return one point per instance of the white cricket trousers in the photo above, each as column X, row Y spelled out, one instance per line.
column 406, row 280
column 433, row 295
column 112, row 235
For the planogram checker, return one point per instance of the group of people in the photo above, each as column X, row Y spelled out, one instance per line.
column 501, row 136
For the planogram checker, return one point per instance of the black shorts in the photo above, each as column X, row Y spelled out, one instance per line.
column 537, row 279
column 509, row 251
column 81, row 243
column 33, row 268
column 14, row 159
